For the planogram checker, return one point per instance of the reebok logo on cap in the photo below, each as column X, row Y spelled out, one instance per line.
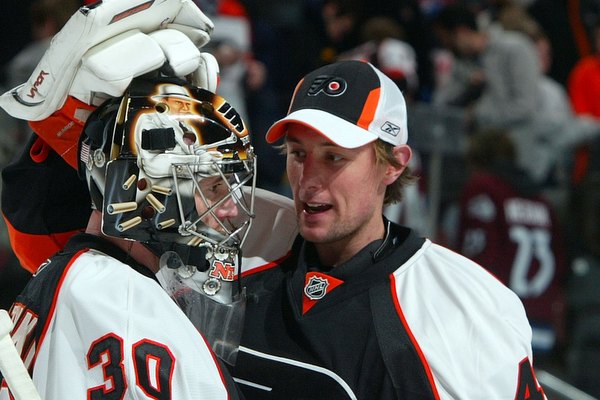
column 390, row 128
column 351, row 103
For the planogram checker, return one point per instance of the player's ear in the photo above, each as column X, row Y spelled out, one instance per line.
column 402, row 154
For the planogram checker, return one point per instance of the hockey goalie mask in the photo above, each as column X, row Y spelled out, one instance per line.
column 171, row 165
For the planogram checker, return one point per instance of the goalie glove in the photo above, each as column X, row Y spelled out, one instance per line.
column 107, row 69
column 103, row 47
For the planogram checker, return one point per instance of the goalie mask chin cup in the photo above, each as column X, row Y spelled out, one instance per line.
column 171, row 165
column 213, row 299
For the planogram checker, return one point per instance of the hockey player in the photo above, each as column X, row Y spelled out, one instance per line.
column 363, row 308
column 172, row 196
column 507, row 225
column 94, row 322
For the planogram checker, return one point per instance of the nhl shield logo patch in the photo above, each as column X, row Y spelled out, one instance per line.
column 316, row 286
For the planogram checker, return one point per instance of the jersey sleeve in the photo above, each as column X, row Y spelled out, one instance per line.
column 262, row 247
column 471, row 330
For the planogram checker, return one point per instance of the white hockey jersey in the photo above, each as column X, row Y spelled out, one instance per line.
column 90, row 326
column 403, row 319
column 94, row 324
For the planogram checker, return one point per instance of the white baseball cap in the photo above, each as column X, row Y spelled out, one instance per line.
column 351, row 103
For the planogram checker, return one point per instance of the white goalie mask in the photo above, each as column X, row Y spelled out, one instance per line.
column 171, row 165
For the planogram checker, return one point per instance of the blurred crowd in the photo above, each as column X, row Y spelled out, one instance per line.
column 504, row 116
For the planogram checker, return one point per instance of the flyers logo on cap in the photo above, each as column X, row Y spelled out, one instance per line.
column 329, row 85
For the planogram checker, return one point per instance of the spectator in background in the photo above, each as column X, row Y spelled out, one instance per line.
column 557, row 128
column 413, row 17
column 498, row 83
column 506, row 225
column 346, row 22
column 553, row 100
column 497, row 79
column 342, row 21
column 584, row 93
column 246, row 80
column 383, row 45
column 231, row 44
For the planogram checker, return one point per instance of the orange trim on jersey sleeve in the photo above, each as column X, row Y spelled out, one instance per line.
column 32, row 250
column 52, row 308
column 62, row 129
column 368, row 112
column 267, row 266
column 412, row 338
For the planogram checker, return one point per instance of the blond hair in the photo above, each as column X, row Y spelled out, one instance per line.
column 394, row 193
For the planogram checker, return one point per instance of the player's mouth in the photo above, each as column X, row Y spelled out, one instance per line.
column 315, row 208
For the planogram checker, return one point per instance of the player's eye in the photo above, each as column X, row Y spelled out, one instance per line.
column 216, row 187
column 296, row 153
column 335, row 157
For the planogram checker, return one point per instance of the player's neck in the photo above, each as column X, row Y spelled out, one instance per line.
column 337, row 252
column 135, row 250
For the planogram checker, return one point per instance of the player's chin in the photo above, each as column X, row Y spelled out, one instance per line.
column 313, row 235
column 312, row 231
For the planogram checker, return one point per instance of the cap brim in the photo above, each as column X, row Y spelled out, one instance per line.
column 338, row 130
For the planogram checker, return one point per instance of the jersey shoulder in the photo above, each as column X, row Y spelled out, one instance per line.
column 272, row 233
column 459, row 314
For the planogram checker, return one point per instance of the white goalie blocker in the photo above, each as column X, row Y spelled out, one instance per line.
column 101, row 49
